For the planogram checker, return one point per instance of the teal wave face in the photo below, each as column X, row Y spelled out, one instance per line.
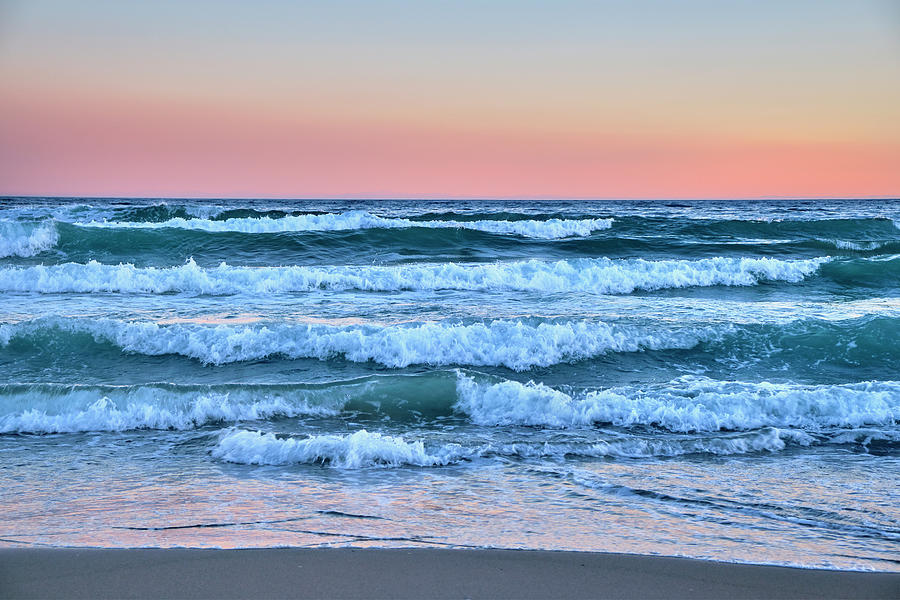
column 458, row 396
column 854, row 349
column 594, row 276
column 766, row 228
column 882, row 272
column 386, row 233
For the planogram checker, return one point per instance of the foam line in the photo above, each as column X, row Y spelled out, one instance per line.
column 687, row 404
column 359, row 219
column 600, row 275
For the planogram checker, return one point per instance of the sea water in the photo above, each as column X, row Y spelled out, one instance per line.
column 707, row 379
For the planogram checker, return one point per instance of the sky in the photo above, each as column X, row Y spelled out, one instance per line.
column 463, row 99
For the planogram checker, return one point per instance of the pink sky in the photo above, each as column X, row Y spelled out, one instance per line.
column 319, row 120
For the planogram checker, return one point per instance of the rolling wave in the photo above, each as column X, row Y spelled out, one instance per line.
column 601, row 275
column 359, row 236
column 858, row 246
column 687, row 404
column 363, row 449
column 26, row 239
column 54, row 408
column 768, row 439
column 874, row 272
column 42, row 408
column 352, row 451
column 516, row 345
column 358, row 219
column 847, row 229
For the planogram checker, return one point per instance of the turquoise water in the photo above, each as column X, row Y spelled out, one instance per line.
column 706, row 379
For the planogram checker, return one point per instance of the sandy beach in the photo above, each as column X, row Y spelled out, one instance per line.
column 417, row 573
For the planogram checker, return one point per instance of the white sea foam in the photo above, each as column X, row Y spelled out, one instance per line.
column 601, row 275
column 515, row 344
column 359, row 219
column 688, row 404
column 865, row 436
column 59, row 409
column 356, row 450
column 26, row 239
column 768, row 439
column 858, row 246
column 364, row 449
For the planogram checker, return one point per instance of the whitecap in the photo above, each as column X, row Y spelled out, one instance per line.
column 599, row 275
column 515, row 344
column 26, row 239
column 352, row 451
column 359, row 219
column 687, row 404
column 65, row 409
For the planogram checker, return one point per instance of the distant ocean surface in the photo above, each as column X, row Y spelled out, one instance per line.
column 707, row 379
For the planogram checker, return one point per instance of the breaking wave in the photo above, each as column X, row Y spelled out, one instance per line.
column 768, row 439
column 517, row 345
column 688, row 404
column 352, row 451
column 359, row 219
column 54, row 408
column 364, row 449
column 865, row 228
column 600, row 275
column 24, row 240
column 858, row 246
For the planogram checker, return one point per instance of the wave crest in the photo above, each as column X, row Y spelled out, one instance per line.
column 363, row 449
column 517, row 345
column 25, row 240
column 353, row 451
column 359, row 219
column 600, row 275
column 688, row 404
column 53, row 408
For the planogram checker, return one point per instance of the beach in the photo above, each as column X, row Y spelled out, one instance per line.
column 417, row 573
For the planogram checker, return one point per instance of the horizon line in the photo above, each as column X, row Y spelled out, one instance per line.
column 455, row 198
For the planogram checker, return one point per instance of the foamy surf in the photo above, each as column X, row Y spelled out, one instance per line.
column 514, row 344
column 352, row 451
column 357, row 219
column 687, row 404
column 45, row 408
column 600, row 275
column 26, row 239
column 766, row 440
column 859, row 246
column 363, row 449
column 517, row 344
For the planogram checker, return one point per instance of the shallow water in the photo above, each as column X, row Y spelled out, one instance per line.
column 705, row 379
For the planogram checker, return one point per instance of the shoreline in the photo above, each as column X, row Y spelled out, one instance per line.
column 411, row 573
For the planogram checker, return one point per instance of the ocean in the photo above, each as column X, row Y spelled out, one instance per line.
column 711, row 379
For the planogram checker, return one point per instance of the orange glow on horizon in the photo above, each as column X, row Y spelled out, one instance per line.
column 146, row 148
column 459, row 100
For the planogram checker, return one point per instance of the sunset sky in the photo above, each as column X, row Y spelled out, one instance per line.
column 616, row 99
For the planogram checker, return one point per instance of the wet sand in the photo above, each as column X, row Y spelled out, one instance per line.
column 417, row 573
